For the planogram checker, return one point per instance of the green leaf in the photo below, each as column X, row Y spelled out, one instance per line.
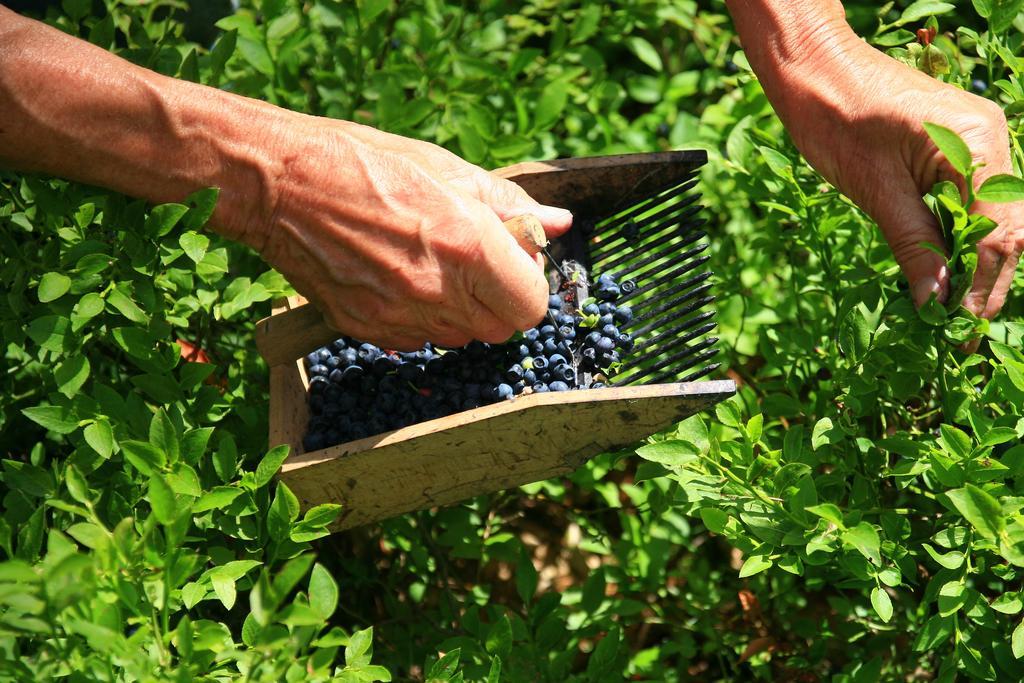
column 952, row 596
column 550, row 105
column 1008, row 603
column 163, row 435
column 924, row 8
column 954, row 441
column 256, row 54
column 1001, row 188
column 714, row 519
column 120, row 300
column 77, row 486
column 270, row 464
column 161, row 499
column 951, row 560
column 949, row 143
column 54, row 418
column 1002, row 13
column 283, row 510
column 499, row 637
column 828, row 512
column 323, row 592
column 216, row 498
column 754, row 565
column 224, row 589
column 53, row 286
column 163, row 218
column 50, row 332
column 882, row 603
column 671, row 453
column 1017, row 641
column 100, row 438
column 195, row 245
column 821, row 434
column 358, row 648
column 72, row 374
column 645, row 52
column 143, row 456
column 980, row 509
column 87, row 308
column 864, row 538
column 201, row 204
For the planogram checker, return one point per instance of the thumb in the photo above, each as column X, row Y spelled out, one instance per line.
column 505, row 278
column 907, row 223
column 508, row 200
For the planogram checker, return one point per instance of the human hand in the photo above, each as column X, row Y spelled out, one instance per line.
column 399, row 241
column 857, row 116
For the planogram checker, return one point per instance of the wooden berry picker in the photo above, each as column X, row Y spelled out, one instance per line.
column 616, row 359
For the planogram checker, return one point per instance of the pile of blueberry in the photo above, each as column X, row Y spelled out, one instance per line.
column 358, row 390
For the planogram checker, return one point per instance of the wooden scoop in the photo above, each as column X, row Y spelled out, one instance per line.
column 284, row 337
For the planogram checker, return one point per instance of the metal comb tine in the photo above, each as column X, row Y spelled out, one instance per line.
column 657, row 251
column 671, row 291
column 672, row 218
column 671, row 375
column 696, row 320
column 656, row 244
column 680, row 360
column 667, row 305
column 624, row 211
column 703, row 329
column 707, row 370
column 687, row 263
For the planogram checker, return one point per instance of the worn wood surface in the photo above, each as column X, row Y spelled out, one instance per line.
column 591, row 187
column 495, row 447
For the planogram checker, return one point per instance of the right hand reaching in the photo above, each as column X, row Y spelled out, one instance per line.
column 398, row 241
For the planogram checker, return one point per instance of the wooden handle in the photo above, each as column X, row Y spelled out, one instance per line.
column 286, row 336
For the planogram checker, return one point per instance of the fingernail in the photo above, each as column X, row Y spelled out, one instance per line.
column 553, row 214
column 923, row 289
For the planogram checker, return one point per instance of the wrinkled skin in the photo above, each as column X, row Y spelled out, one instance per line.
column 857, row 115
column 405, row 244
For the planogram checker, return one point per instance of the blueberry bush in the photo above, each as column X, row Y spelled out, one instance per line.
column 854, row 514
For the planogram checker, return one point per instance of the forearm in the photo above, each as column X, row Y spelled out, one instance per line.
column 74, row 110
column 798, row 48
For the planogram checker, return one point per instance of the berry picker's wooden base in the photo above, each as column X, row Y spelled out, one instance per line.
column 529, row 438
column 487, row 449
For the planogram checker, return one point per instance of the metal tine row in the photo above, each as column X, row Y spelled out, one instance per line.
column 690, row 288
column 671, row 216
column 703, row 372
column 657, row 249
column 664, row 240
column 622, row 213
column 679, row 360
column 685, row 262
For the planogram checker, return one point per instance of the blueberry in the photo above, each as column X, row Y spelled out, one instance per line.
column 550, row 346
column 564, row 319
column 368, row 353
column 336, row 376
column 339, row 344
column 529, row 376
column 566, row 373
column 559, row 386
column 606, row 278
column 662, row 130
column 537, row 348
column 518, row 387
column 625, row 342
column 568, row 332
column 610, row 331
column 979, row 85
column 323, row 354
column 605, row 344
column 628, row 286
column 318, row 369
column 589, row 354
column 606, row 319
column 591, row 309
column 317, row 384
column 598, row 385
column 556, row 359
column 314, row 441
column 593, row 337
column 504, row 391
column 608, row 293
column 532, row 334
column 555, row 301
column 547, row 331
column 312, row 359
column 514, row 373
column 623, row 315
column 540, row 388
column 540, row 363
column 605, row 308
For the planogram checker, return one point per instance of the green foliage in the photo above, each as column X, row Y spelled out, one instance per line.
column 855, row 514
